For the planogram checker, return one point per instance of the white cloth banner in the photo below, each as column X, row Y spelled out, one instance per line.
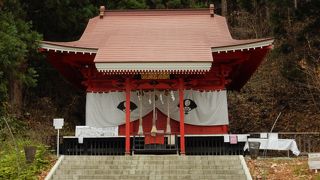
column 201, row 108
column 86, row 131
column 275, row 144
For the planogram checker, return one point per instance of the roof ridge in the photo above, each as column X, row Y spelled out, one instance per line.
column 148, row 12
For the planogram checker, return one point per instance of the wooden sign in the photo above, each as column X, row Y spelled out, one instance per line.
column 314, row 161
column 155, row 76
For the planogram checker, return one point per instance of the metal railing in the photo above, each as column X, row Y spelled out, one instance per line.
column 211, row 145
column 307, row 142
column 93, row 146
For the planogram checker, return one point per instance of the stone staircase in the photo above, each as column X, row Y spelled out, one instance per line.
column 146, row 167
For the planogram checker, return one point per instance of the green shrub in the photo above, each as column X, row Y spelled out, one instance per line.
column 13, row 164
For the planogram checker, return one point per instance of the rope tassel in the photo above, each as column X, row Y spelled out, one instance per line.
column 168, row 129
column 140, row 130
column 154, row 128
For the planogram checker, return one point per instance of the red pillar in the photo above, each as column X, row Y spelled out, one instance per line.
column 181, row 104
column 127, row 117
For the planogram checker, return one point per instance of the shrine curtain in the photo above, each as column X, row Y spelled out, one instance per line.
column 201, row 108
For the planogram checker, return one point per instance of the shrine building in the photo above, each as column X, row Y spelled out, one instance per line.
column 156, row 81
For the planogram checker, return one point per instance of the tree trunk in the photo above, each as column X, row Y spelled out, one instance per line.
column 296, row 4
column 15, row 95
column 224, row 8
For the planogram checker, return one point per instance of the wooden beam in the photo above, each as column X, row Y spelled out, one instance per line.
column 128, row 89
column 181, row 106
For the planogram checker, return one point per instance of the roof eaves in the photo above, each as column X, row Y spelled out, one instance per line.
column 244, row 46
column 64, row 48
column 171, row 67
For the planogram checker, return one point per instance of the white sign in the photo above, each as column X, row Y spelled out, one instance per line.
column 58, row 123
column 86, row 131
column 263, row 135
column 273, row 136
column 314, row 160
column 233, row 139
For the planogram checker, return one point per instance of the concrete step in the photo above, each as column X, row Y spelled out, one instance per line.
column 152, row 160
column 160, row 157
column 151, row 157
column 158, row 164
column 101, row 167
column 123, row 170
column 149, row 177
column 141, row 162
column 149, row 171
column 150, row 167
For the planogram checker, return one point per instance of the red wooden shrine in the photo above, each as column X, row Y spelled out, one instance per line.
column 158, row 49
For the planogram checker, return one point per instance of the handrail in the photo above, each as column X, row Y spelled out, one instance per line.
column 54, row 168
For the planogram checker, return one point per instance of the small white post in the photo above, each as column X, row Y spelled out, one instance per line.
column 58, row 124
column 58, row 142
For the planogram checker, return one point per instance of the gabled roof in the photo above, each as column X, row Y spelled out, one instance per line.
column 164, row 37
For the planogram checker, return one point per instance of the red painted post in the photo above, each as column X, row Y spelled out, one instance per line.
column 127, row 117
column 181, row 104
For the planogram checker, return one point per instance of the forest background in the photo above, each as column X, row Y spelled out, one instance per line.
column 32, row 92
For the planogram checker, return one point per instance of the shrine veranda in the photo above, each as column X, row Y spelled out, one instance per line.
column 156, row 81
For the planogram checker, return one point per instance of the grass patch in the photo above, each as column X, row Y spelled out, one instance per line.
column 300, row 169
column 13, row 163
column 317, row 177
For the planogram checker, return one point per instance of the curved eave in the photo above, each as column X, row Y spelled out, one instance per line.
column 243, row 46
column 68, row 49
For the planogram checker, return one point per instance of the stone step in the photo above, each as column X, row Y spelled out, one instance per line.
column 102, row 167
column 163, row 157
column 155, row 162
column 170, row 158
column 148, row 172
column 125, row 166
column 151, row 160
column 154, row 177
column 150, row 167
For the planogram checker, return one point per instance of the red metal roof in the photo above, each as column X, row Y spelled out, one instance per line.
column 155, row 36
column 152, row 41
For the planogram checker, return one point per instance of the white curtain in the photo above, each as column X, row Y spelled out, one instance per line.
column 201, row 108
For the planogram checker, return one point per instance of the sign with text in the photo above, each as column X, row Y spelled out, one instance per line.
column 233, row 139
column 58, row 123
column 314, row 160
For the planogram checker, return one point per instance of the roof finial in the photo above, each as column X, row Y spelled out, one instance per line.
column 211, row 8
column 102, row 9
